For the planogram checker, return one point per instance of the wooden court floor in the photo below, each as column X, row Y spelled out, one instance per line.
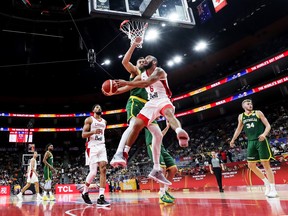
column 246, row 201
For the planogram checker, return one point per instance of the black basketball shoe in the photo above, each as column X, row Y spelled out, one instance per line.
column 102, row 202
column 86, row 198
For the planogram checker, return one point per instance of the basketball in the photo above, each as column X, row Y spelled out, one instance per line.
column 109, row 87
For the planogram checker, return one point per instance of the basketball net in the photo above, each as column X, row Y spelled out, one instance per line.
column 134, row 29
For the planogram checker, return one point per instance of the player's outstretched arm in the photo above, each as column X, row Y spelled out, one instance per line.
column 120, row 90
column 132, row 69
column 137, row 82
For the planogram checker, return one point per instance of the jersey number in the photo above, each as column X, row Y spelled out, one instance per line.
column 98, row 138
column 251, row 125
column 153, row 95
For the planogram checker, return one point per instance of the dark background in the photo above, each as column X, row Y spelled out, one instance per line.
column 44, row 67
column 52, row 74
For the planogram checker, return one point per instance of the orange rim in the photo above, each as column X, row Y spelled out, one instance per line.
column 123, row 23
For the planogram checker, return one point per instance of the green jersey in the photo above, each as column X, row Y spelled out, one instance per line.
column 136, row 101
column 253, row 126
column 50, row 159
column 47, row 172
column 139, row 92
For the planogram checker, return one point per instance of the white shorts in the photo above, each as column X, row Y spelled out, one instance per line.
column 154, row 107
column 33, row 178
column 95, row 153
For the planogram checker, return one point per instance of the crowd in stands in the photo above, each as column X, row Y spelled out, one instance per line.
column 193, row 160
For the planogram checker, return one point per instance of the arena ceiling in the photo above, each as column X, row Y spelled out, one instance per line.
column 43, row 58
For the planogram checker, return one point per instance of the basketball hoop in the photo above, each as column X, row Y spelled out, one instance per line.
column 134, row 29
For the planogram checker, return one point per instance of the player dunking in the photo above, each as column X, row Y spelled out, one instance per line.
column 32, row 177
column 48, row 168
column 155, row 82
column 256, row 128
column 138, row 98
column 96, row 155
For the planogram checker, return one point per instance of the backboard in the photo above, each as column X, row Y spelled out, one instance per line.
column 170, row 12
column 27, row 157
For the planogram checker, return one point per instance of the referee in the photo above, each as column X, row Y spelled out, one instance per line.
column 216, row 166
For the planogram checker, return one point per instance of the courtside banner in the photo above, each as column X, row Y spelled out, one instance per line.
column 129, row 184
column 236, row 174
column 4, row 190
column 219, row 4
column 66, row 189
column 77, row 188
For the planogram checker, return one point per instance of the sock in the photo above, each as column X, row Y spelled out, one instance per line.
column 156, row 154
column 123, row 139
column 101, row 191
column 162, row 191
column 20, row 193
column 166, row 187
column 127, row 149
column 45, row 193
column 265, row 180
column 272, row 187
column 156, row 166
column 177, row 130
column 50, row 193
column 86, row 188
